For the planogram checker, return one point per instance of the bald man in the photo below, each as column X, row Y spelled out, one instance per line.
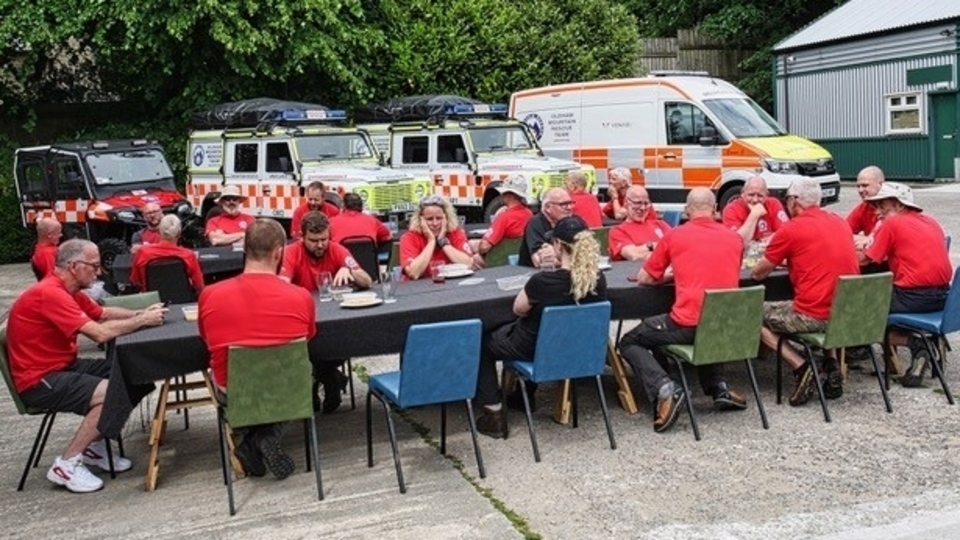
column 43, row 261
column 535, row 250
column 704, row 255
column 585, row 204
column 863, row 218
column 152, row 214
column 755, row 215
column 635, row 238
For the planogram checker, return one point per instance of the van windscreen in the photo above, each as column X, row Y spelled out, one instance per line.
column 744, row 118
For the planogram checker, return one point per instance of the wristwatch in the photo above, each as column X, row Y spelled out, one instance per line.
column 442, row 242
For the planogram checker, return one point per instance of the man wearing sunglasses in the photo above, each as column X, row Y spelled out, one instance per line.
column 42, row 330
column 230, row 225
column 535, row 250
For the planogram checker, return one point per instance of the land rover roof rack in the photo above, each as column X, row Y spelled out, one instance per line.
column 428, row 108
column 678, row 73
column 264, row 113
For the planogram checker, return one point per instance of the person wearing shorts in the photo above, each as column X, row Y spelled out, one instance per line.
column 42, row 350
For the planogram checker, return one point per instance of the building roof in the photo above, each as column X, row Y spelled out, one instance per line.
column 863, row 17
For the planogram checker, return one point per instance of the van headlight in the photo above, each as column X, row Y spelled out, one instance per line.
column 780, row 167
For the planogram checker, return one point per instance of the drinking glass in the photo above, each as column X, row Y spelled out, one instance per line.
column 436, row 271
column 324, row 282
column 388, row 288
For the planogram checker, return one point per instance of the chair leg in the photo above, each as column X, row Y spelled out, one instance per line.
column 686, row 391
column 816, row 378
column 573, row 401
column 113, row 473
column 46, row 435
column 315, row 450
column 443, row 429
column 473, row 434
column 369, row 421
column 347, row 369
column 393, row 444
column 223, row 458
column 887, row 360
column 779, row 370
column 34, row 456
column 881, row 381
column 507, row 380
column 606, row 414
column 120, row 446
column 226, row 473
column 526, row 408
column 936, row 365
column 756, row 393
column 306, row 442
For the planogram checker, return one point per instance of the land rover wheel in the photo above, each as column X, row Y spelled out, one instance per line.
column 109, row 249
column 492, row 208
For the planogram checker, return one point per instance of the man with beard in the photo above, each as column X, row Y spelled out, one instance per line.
column 303, row 263
column 316, row 202
column 152, row 213
column 230, row 225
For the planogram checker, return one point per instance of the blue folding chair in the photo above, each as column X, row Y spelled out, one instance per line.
column 930, row 327
column 672, row 217
column 440, row 363
column 571, row 344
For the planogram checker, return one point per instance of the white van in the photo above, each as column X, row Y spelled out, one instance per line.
column 674, row 132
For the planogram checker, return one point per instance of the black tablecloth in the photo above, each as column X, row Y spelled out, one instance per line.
column 175, row 348
column 214, row 261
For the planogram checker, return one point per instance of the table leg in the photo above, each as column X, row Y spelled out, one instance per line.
column 562, row 413
column 157, row 430
column 624, row 392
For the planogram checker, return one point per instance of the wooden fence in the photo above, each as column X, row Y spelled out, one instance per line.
column 691, row 50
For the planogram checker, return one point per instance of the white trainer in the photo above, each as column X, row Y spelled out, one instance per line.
column 72, row 474
column 95, row 455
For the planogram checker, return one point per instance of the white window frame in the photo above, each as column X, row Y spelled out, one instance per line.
column 889, row 107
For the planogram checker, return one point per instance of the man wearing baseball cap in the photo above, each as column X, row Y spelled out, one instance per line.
column 914, row 246
column 230, row 225
column 510, row 220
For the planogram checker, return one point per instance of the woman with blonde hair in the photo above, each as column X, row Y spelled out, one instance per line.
column 434, row 236
column 576, row 281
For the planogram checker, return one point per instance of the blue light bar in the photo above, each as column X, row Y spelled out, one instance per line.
column 291, row 115
column 462, row 109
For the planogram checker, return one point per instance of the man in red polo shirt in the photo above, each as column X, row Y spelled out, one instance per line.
column 635, row 238
column 704, row 255
column 152, row 213
column 754, row 215
column 511, row 220
column 166, row 247
column 255, row 309
column 352, row 222
column 303, row 263
column 914, row 247
column 863, row 218
column 618, row 180
column 42, row 349
column 230, row 225
column 817, row 249
column 43, row 261
column 316, row 202
column 585, row 204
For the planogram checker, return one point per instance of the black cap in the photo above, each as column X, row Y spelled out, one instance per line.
column 566, row 229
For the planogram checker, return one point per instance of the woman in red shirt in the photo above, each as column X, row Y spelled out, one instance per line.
column 434, row 235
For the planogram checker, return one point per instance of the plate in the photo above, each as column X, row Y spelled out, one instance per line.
column 457, row 273
column 604, row 266
column 356, row 304
column 354, row 297
column 210, row 256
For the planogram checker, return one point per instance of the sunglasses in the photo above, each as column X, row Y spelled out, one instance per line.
column 96, row 266
column 566, row 204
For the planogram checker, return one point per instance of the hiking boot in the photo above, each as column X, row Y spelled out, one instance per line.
column 668, row 410
column 72, row 474
column 332, row 390
column 250, row 458
column 725, row 399
column 493, row 423
column 803, row 389
column 913, row 377
column 280, row 464
column 857, row 354
column 95, row 455
column 833, row 385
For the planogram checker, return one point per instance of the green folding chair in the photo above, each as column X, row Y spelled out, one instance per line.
column 133, row 301
column 858, row 317
column 602, row 234
column 268, row 385
column 498, row 254
column 728, row 330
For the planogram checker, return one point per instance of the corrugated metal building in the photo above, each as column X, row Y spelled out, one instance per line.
column 875, row 82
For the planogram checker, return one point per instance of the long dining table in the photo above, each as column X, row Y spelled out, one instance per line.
column 214, row 262
column 175, row 348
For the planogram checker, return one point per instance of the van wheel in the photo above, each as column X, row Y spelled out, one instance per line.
column 730, row 194
column 493, row 206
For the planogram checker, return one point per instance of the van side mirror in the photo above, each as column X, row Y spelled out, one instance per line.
column 460, row 155
column 708, row 136
column 285, row 165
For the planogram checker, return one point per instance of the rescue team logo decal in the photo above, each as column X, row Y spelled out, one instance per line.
column 197, row 155
column 536, row 124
